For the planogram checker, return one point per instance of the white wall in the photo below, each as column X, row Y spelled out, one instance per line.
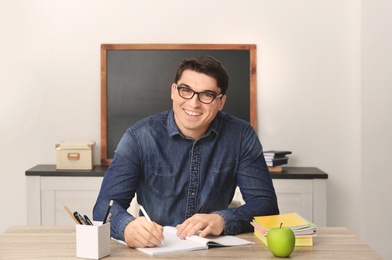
column 316, row 88
column 377, row 124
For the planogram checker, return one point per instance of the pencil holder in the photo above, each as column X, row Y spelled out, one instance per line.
column 93, row 241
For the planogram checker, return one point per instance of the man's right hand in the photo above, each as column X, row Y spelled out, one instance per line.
column 142, row 233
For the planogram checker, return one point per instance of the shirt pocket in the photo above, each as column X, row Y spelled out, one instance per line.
column 222, row 177
column 162, row 180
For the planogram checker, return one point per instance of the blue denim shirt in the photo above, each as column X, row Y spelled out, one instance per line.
column 176, row 177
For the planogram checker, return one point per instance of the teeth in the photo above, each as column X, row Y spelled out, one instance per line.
column 192, row 113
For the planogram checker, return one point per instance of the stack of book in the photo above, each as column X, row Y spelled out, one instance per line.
column 304, row 230
column 275, row 159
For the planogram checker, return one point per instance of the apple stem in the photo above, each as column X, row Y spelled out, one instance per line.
column 281, row 225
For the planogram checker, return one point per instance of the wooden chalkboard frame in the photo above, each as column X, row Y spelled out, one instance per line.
column 105, row 48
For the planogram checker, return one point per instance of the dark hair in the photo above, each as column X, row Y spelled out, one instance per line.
column 206, row 65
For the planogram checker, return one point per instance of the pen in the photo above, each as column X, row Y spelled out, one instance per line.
column 145, row 214
column 88, row 220
column 70, row 214
column 80, row 218
column 107, row 212
column 108, row 219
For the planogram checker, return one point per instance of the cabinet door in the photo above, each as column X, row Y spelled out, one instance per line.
column 78, row 193
column 295, row 196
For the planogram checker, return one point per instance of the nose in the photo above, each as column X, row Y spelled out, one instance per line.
column 195, row 100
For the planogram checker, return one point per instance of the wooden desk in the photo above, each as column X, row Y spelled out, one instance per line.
column 55, row 242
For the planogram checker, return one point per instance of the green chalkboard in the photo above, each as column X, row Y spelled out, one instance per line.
column 136, row 82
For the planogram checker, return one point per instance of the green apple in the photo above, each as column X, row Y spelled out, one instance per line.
column 281, row 241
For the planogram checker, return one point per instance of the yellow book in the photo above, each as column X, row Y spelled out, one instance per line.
column 260, row 236
column 299, row 240
column 291, row 220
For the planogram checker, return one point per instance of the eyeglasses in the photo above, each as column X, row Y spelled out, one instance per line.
column 204, row 97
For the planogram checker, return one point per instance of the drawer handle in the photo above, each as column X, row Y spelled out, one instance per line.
column 73, row 156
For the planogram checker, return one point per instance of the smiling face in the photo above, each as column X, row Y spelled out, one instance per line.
column 193, row 117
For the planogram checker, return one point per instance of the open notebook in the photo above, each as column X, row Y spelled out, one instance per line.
column 173, row 243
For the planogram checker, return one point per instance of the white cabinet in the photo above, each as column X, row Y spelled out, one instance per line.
column 45, row 196
column 299, row 189
column 308, row 197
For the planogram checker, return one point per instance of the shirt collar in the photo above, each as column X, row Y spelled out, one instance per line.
column 172, row 128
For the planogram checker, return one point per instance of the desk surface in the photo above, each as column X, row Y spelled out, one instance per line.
column 54, row 242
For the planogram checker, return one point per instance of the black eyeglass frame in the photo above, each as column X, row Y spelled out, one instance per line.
column 183, row 86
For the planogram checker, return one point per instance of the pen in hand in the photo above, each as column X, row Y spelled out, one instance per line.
column 145, row 214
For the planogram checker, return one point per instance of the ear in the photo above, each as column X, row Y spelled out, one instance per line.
column 222, row 102
column 173, row 90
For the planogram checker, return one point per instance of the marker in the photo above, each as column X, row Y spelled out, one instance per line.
column 145, row 214
column 107, row 212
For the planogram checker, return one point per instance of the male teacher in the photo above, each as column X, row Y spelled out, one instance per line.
column 185, row 164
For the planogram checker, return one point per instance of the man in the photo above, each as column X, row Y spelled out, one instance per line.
column 185, row 165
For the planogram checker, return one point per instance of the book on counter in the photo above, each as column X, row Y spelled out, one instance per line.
column 276, row 153
column 303, row 229
column 275, row 159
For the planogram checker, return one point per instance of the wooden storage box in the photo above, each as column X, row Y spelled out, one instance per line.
column 75, row 155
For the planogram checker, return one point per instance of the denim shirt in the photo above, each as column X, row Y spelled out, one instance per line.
column 176, row 177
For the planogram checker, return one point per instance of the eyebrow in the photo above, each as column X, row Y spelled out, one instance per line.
column 206, row 91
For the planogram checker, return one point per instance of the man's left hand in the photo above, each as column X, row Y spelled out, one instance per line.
column 206, row 223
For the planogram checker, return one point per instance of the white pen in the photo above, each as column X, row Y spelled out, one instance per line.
column 145, row 214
